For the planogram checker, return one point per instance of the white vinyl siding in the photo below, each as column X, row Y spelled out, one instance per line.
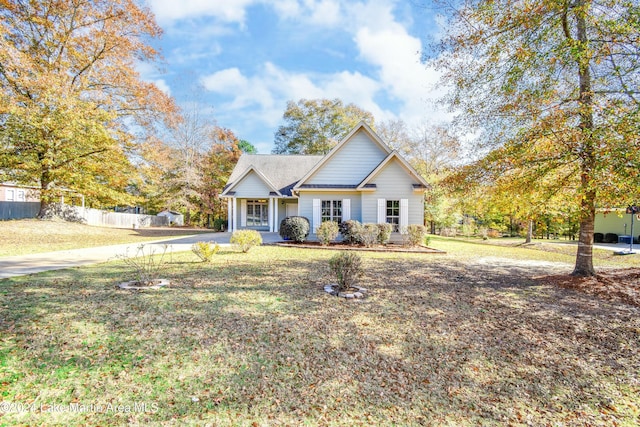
column 393, row 183
column 252, row 187
column 352, row 163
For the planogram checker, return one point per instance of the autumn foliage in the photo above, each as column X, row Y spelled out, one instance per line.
column 72, row 102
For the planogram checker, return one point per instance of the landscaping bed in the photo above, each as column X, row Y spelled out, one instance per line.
column 338, row 246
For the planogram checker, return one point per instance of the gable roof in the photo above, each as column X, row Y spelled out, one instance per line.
column 361, row 127
column 394, row 155
column 279, row 172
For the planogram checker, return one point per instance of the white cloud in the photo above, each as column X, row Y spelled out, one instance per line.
column 386, row 44
column 325, row 13
column 168, row 11
column 163, row 86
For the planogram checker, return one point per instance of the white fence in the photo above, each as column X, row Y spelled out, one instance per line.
column 120, row 220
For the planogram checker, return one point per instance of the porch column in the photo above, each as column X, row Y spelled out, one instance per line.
column 270, row 214
column 276, row 226
column 229, row 215
column 234, row 211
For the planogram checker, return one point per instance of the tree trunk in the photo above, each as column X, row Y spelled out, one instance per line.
column 529, row 231
column 584, row 256
column 46, row 197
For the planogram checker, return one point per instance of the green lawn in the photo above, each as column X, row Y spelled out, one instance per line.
column 252, row 340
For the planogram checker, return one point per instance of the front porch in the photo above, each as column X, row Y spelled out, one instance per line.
column 259, row 214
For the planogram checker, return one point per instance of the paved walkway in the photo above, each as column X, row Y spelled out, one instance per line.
column 36, row 263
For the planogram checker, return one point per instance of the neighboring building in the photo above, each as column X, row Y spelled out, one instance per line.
column 617, row 221
column 10, row 192
column 175, row 218
column 361, row 178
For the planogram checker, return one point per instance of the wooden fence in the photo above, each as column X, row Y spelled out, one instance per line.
column 120, row 220
column 19, row 210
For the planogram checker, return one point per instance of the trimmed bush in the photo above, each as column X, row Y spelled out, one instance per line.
column 369, row 234
column 384, row 233
column 351, row 231
column 346, row 267
column 327, row 232
column 205, row 250
column 245, row 239
column 413, row 235
column 598, row 237
column 295, row 228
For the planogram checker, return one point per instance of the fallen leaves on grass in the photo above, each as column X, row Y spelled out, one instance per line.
column 622, row 285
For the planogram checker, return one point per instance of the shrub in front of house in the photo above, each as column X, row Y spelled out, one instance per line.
column 327, row 232
column 384, row 233
column 245, row 239
column 351, row 231
column 295, row 228
column 369, row 234
column 346, row 267
column 413, row 235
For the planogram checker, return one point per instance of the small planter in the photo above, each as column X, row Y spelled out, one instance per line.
column 355, row 292
column 134, row 285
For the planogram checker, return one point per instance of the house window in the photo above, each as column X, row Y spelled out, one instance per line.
column 21, row 196
column 10, row 195
column 332, row 210
column 393, row 213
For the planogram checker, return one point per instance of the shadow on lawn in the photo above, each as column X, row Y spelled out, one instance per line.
column 435, row 342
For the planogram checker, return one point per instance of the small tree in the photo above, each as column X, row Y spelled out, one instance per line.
column 346, row 267
column 327, row 232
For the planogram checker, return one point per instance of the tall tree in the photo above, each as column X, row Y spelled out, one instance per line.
column 189, row 143
column 70, row 94
column 315, row 126
column 560, row 77
column 216, row 168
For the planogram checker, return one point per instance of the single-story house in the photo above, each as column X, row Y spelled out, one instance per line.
column 361, row 178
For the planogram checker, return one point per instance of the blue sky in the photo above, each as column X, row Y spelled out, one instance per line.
column 242, row 60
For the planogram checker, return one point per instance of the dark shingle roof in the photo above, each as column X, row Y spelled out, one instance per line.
column 283, row 171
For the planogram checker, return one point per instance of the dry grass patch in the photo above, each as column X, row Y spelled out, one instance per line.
column 252, row 339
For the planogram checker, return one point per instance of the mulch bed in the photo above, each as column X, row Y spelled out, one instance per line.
column 620, row 285
column 337, row 246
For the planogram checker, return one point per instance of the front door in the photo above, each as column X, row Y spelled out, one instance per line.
column 257, row 213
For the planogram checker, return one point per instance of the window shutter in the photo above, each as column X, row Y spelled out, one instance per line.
column 317, row 215
column 382, row 211
column 404, row 213
column 346, row 209
column 243, row 213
